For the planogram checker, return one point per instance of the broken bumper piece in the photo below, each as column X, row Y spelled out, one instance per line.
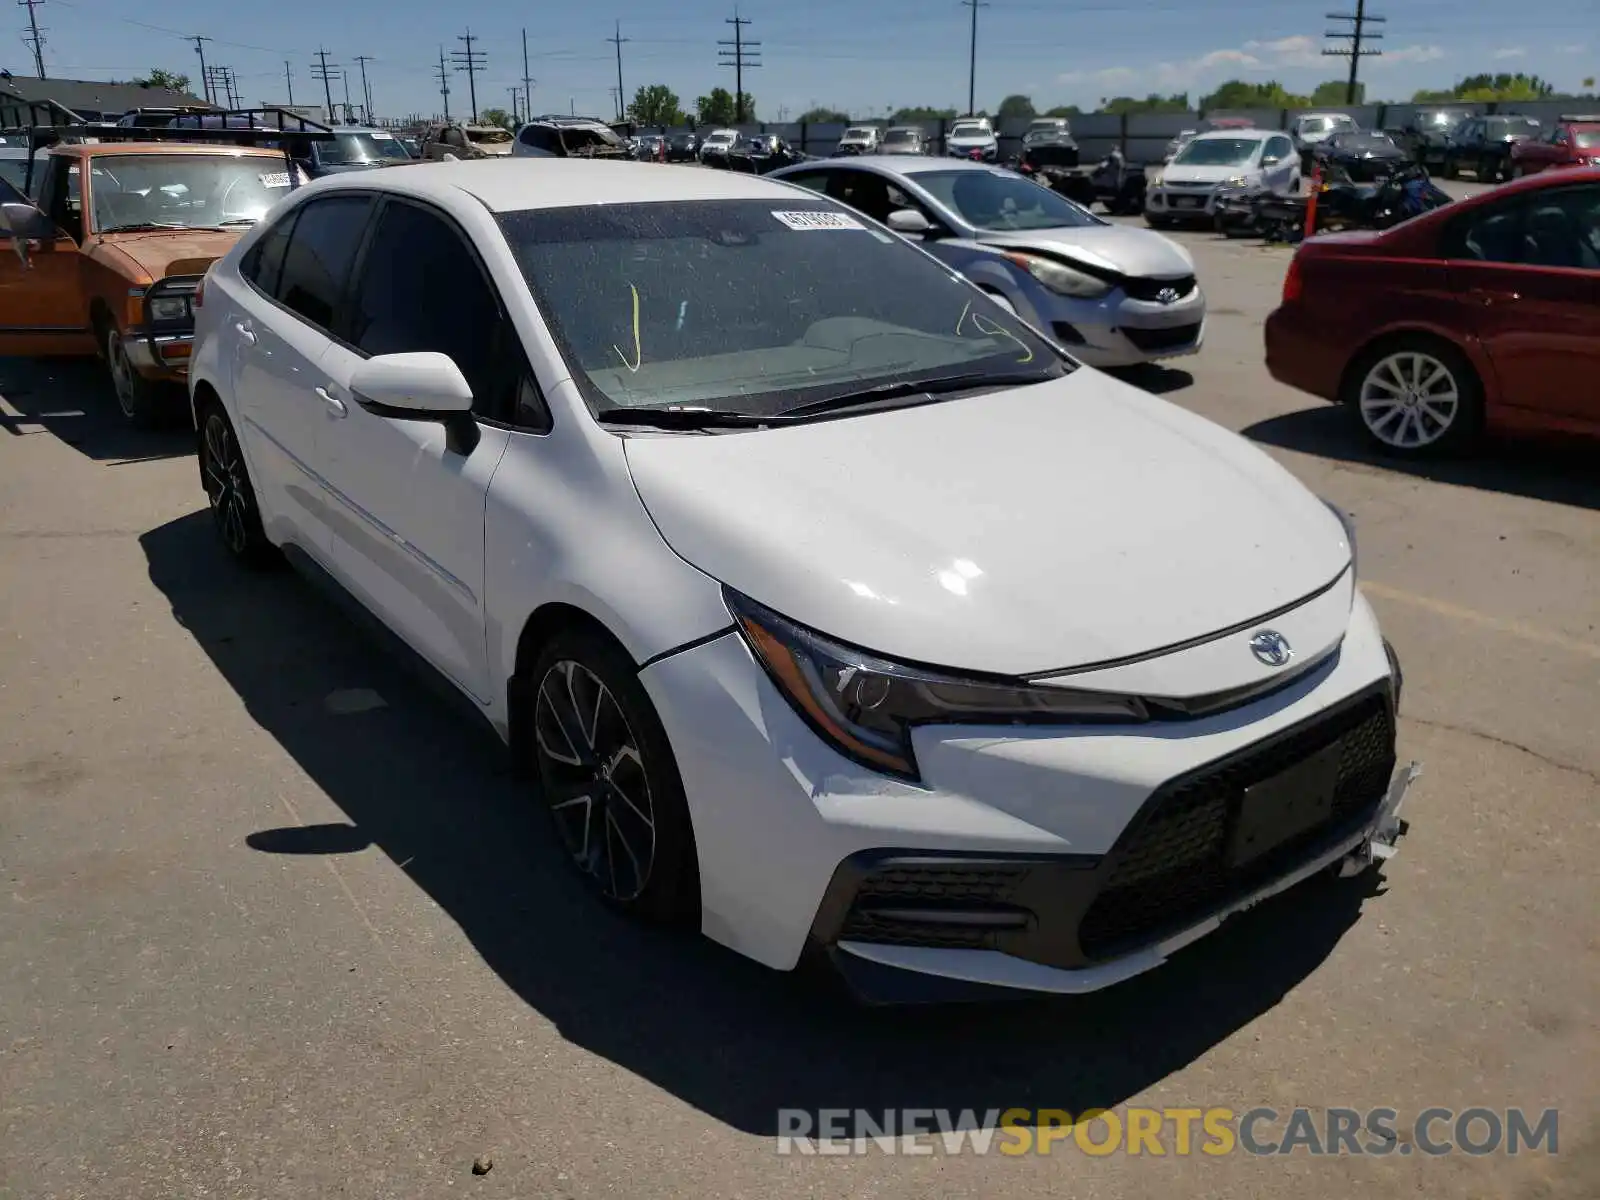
column 1387, row 826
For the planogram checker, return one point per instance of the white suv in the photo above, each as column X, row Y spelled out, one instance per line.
column 807, row 582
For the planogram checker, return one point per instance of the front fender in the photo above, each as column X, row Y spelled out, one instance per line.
column 988, row 268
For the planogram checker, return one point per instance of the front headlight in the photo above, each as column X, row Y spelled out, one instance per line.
column 169, row 308
column 1349, row 524
column 1237, row 181
column 866, row 707
column 1061, row 279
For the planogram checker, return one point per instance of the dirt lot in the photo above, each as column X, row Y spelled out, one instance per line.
column 275, row 922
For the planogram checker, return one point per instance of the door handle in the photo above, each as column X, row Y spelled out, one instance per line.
column 242, row 328
column 336, row 408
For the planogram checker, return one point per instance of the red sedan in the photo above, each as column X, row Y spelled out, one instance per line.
column 1572, row 142
column 1482, row 315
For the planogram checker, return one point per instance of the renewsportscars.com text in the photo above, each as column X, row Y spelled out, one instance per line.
column 1167, row 1131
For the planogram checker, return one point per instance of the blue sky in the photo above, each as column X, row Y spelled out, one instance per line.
column 866, row 56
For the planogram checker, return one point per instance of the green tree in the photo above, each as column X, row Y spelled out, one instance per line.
column 923, row 114
column 1065, row 110
column 159, row 78
column 1486, row 87
column 824, row 116
column 1333, row 92
column 1178, row 102
column 1236, row 93
column 495, row 116
column 1016, row 106
column 655, row 104
column 718, row 108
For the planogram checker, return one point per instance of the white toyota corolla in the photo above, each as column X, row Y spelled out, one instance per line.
column 827, row 604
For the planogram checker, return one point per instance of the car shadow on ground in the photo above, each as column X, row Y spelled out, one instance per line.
column 1154, row 378
column 71, row 400
column 1559, row 472
column 433, row 791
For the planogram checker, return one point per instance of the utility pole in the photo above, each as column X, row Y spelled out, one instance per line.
column 321, row 70
column 972, row 57
column 1355, row 52
column 516, row 113
column 200, row 49
column 471, row 61
column 527, row 80
column 288, row 79
column 617, row 39
column 740, row 57
column 344, row 75
column 444, row 83
column 34, row 36
column 366, row 91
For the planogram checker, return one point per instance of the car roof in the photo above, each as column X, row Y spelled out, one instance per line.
column 1260, row 135
column 516, row 184
column 99, row 149
column 891, row 164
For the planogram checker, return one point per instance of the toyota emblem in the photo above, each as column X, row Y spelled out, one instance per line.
column 1271, row 648
column 1167, row 295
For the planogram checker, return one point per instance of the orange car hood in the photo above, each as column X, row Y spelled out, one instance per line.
column 157, row 253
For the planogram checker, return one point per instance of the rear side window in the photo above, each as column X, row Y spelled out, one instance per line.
column 317, row 264
column 263, row 264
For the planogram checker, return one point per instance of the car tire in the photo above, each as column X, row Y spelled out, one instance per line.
column 144, row 405
column 230, row 495
column 1416, row 397
column 609, row 780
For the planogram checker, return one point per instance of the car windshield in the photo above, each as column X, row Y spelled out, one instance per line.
column 857, row 134
column 184, row 191
column 1515, row 126
column 901, row 135
column 747, row 307
column 1218, row 152
column 15, row 172
column 1360, row 142
column 681, row 140
column 969, row 129
column 489, row 137
column 349, row 149
column 1315, row 124
column 1439, row 120
column 999, row 200
column 1586, row 139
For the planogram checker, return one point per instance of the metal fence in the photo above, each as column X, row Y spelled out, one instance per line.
column 1142, row 137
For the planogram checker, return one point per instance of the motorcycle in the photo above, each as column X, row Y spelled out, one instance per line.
column 1341, row 204
column 1110, row 182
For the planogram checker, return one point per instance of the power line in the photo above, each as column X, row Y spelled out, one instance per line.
column 617, row 39
column 471, row 61
column 444, row 83
column 1355, row 52
column 35, row 36
column 200, row 41
column 972, row 57
column 366, row 90
column 321, row 70
column 739, row 58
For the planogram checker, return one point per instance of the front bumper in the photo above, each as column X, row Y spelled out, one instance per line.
column 989, row 153
column 161, row 355
column 1122, row 330
column 1062, row 851
column 1181, row 203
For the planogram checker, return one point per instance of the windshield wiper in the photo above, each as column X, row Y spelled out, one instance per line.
column 938, row 385
column 679, row 417
column 134, row 226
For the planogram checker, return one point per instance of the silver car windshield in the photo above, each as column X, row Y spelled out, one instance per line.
column 754, row 306
column 1218, row 152
column 1000, row 201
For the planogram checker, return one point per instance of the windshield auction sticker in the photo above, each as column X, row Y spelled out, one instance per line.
column 818, row 220
column 275, row 179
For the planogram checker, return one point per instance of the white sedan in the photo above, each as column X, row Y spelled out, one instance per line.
column 828, row 605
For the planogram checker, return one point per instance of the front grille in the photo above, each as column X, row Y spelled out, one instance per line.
column 1179, row 184
column 927, row 888
column 1170, row 869
column 1151, row 289
column 1168, row 338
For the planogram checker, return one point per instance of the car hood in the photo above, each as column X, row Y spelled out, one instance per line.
column 1040, row 528
column 158, row 253
column 970, row 139
column 1185, row 173
column 1125, row 249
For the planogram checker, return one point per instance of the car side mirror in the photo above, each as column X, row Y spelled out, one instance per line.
column 909, row 221
column 419, row 386
column 25, row 223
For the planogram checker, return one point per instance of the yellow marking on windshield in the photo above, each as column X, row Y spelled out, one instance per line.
column 962, row 319
column 638, row 352
column 977, row 319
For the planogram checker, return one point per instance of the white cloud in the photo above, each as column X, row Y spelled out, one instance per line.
column 1296, row 51
column 1409, row 54
column 1510, row 52
column 1571, row 49
column 1254, row 57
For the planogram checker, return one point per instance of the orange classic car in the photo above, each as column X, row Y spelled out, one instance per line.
column 107, row 259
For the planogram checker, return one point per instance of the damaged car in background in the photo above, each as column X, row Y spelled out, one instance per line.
column 568, row 137
column 1113, row 295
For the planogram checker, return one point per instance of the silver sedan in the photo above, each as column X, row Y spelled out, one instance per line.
column 1113, row 295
